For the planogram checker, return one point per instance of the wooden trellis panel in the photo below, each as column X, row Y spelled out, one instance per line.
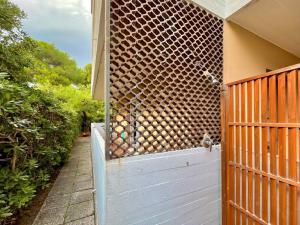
column 262, row 149
column 161, row 98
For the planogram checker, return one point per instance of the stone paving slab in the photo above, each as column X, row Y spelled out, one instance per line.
column 57, row 201
column 54, row 216
column 79, row 211
column 83, row 178
column 83, row 185
column 85, row 221
column 71, row 200
column 82, row 196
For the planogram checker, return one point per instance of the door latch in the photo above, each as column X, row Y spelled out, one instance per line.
column 207, row 142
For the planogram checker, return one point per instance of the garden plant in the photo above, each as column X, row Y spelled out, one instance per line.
column 43, row 95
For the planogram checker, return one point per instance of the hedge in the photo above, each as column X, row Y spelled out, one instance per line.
column 36, row 136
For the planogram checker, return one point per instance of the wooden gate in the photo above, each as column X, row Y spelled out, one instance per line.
column 261, row 158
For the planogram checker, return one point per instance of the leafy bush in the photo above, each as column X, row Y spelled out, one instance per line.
column 55, row 72
column 35, row 137
column 43, row 95
column 83, row 102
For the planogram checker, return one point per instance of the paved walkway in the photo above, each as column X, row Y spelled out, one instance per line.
column 70, row 200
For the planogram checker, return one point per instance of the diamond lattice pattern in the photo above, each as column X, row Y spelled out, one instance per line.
column 161, row 98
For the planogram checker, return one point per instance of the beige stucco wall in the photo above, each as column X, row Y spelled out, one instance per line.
column 246, row 54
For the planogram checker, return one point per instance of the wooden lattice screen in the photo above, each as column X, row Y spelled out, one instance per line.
column 262, row 149
column 161, row 96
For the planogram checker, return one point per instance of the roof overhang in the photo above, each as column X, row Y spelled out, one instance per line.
column 98, row 42
column 277, row 21
column 222, row 8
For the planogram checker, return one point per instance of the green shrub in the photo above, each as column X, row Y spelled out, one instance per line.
column 36, row 135
column 37, row 125
column 55, row 72
column 77, row 100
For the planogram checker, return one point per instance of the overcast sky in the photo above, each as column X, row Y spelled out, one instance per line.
column 65, row 23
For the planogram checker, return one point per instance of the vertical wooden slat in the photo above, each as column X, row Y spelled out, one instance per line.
column 230, row 183
column 249, row 101
column 264, row 118
column 264, row 100
column 292, row 96
column 292, row 176
column 273, row 149
column 282, row 146
column 282, row 173
column 224, row 150
column 243, row 103
column 231, row 186
column 250, row 161
column 243, row 145
column 244, row 187
column 298, row 118
column 257, row 148
column 237, row 136
column 292, row 155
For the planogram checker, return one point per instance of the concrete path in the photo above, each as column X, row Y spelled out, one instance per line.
column 70, row 200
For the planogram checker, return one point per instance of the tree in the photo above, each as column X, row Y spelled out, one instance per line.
column 87, row 70
column 56, row 73
column 11, row 17
column 54, row 66
column 15, row 45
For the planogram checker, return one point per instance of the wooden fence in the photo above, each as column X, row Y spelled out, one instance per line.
column 261, row 158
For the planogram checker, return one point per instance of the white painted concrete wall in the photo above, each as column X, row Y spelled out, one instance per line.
column 99, row 171
column 179, row 187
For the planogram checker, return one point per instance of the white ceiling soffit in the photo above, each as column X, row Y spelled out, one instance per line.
column 222, row 8
column 233, row 6
column 98, row 49
column 277, row 21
